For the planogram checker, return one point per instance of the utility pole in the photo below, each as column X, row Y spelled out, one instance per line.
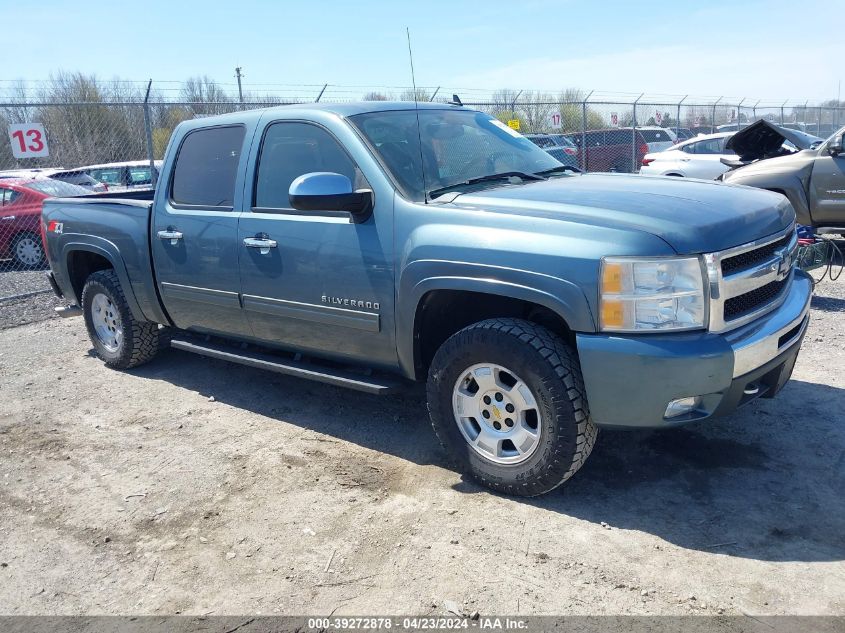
column 239, row 74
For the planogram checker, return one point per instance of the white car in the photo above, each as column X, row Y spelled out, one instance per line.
column 698, row 157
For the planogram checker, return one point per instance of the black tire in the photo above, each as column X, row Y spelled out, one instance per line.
column 550, row 369
column 35, row 256
column 139, row 342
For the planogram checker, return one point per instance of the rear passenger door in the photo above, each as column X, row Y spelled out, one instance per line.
column 195, row 231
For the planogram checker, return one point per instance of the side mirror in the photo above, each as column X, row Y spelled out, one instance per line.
column 835, row 146
column 327, row 191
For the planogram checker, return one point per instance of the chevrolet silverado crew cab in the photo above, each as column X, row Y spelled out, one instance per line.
column 369, row 245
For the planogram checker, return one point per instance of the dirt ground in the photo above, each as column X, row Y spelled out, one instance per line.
column 197, row 487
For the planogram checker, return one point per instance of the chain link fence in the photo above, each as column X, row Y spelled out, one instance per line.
column 89, row 144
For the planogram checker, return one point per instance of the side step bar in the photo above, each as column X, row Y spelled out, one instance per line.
column 379, row 385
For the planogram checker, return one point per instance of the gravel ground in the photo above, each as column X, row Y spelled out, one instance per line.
column 28, row 310
column 194, row 486
column 17, row 282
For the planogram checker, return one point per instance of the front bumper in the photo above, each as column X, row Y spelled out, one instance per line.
column 631, row 379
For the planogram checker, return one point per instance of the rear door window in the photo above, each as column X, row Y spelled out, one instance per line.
column 710, row 146
column 206, row 167
column 8, row 196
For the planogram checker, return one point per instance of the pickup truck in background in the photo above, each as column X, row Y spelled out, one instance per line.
column 812, row 179
column 368, row 245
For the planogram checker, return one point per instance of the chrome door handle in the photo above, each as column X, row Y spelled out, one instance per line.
column 173, row 236
column 9, row 217
column 263, row 244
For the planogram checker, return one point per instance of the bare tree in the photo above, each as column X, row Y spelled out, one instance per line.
column 408, row 94
column 535, row 110
column 206, row 97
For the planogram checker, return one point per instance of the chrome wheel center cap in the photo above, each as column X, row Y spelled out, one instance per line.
column 496, row 413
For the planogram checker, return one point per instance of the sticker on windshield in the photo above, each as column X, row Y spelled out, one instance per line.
column 504, row 127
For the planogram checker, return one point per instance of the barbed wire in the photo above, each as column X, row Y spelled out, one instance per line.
column 16, row 90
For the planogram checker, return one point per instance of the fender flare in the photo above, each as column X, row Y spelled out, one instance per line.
column 106, row 249
column 562, row 297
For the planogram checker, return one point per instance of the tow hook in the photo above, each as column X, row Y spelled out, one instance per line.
column 68, row 311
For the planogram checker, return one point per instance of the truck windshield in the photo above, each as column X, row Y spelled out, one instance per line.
column 457, row 146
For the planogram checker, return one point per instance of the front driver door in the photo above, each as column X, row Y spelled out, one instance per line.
column 325, row 284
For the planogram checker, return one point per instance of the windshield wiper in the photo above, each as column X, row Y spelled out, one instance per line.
column 558, row 170
column 489, row 178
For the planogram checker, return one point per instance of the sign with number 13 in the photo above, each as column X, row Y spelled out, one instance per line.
column 28, row 140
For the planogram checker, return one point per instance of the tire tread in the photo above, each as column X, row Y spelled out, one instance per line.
column 564, row 364
column 142, row 341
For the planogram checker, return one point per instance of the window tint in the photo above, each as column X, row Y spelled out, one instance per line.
column 8, row 196
column 110, row 176
column 619, row 137
column 206, row 167
column 655, row 136
column 595, row 138
column 290, row 150
column 139, row 176
column 710, row 146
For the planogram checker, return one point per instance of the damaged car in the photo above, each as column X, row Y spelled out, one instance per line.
column 811, row 176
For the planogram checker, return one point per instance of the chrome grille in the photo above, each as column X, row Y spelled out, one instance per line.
column 752, row 257
column 750, row 280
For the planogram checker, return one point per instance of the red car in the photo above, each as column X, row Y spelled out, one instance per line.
column 20, row 217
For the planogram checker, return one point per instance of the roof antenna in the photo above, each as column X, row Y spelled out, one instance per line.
column 417, row 112
column 456, row 100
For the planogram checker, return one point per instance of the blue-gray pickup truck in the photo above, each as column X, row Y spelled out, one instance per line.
column 369, row 245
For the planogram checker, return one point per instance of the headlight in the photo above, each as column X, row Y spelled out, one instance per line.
column 651, row 294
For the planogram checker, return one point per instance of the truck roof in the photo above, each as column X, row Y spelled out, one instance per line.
column 340, row 109
column 360, row 107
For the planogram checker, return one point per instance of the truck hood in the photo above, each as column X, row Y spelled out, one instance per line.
column 763, row 139
column 692, row 216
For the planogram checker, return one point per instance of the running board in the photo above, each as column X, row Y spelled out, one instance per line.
column 379, row 385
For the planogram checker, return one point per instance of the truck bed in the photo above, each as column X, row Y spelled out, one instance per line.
column 116, row 228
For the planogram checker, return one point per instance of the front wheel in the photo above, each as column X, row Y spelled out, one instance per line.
column 120, row 340
column 506, row 400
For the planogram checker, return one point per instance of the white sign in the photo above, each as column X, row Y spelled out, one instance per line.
column 658, row 117
column 555, row 120
column 28, row 140
column 614, row 119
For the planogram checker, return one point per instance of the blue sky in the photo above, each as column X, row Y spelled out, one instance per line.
column 772, row 49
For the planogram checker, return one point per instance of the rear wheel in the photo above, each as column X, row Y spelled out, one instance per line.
column 27, row 251
column 119, row 339
column 506, row 400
